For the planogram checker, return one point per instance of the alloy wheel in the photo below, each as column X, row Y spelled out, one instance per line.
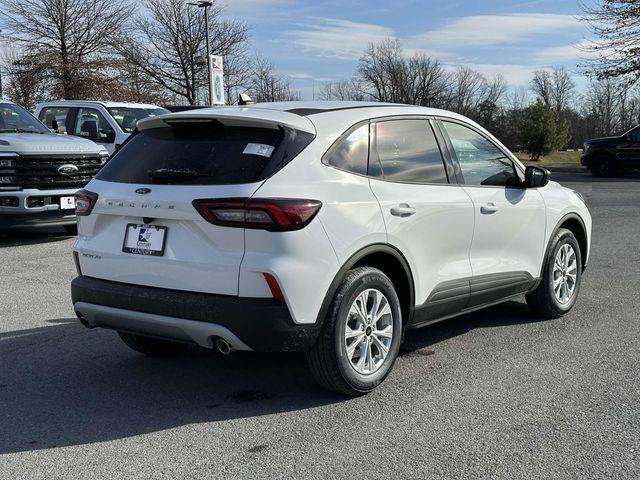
column 565, row 274
column 369, row 331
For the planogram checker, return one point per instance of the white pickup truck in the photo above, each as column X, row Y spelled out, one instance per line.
column 41, row 171
column 106, row 123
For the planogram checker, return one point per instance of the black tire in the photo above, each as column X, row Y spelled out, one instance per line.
column 328, row 359
column 604, row 166
column 543, row 300
column 71, row 229
column 154, row 347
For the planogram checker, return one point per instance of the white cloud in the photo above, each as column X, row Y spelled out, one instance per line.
column 514, row 75
column 565, row 53
column 299, row 75
column 248, row 6
column 495, row 29
column 335, row 38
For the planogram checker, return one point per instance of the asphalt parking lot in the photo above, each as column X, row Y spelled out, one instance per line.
column 494, row 394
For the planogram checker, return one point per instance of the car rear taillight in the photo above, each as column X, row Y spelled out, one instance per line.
column 85, row 201
column 272, row 214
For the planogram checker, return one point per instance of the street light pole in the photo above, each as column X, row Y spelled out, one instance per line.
column 1, row 97
column 206, row 4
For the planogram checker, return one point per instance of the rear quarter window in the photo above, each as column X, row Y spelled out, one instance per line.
column 204, row 153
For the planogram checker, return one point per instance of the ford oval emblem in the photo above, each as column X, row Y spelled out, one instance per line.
column 143, row 191
column 68, row 170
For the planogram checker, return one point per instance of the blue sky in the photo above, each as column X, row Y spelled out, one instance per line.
column 313, row 41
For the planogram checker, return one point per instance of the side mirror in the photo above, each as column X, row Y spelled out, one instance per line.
column 536, row 177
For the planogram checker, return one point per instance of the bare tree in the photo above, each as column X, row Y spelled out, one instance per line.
column 167, row 43
column 71, row 36
column 611, row 106
column 467, row 91
column 617, row 23
column 26, row 83
column 343, row 90
column 518, row 99
column 386, row 75
column 266, row 86
column 554, row 88
column 542, row 86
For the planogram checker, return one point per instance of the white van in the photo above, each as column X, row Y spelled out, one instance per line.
column 106, row 123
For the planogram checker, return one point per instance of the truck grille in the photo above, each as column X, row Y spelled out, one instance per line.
column 42, row 171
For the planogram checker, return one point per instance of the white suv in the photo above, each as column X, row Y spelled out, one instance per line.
column 328, row 228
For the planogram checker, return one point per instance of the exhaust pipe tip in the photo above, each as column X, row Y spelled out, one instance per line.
column 223, row 346
column 83, row 321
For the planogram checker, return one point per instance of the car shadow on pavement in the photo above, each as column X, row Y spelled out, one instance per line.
column 63, row 385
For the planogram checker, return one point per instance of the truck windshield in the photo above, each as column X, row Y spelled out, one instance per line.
column 127, row 117
column 14, row 118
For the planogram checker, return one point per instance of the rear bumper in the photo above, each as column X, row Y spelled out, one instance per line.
column 22, row 215
column 260, row 324
column 40, row 220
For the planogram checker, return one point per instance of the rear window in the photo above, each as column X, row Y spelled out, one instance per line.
column 204, row 153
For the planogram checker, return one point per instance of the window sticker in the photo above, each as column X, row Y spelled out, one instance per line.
column 259, row 149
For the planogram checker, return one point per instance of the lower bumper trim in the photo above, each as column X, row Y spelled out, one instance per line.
column 201, row 333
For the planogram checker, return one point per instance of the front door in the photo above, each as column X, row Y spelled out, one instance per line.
column 510, row 220
column 629, row 150
column 92, row 125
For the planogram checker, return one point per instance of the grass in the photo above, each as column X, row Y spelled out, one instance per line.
column 555, row 159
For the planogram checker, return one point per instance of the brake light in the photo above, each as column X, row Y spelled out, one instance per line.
column 274, row 215
column 85, row 201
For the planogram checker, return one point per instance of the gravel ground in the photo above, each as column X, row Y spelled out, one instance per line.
column 494, row 394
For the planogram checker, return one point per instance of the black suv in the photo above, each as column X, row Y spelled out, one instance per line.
column 611, row 155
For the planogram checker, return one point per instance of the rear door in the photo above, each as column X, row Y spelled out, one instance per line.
column 147, row 190
column 430, row 218
column 510, row 221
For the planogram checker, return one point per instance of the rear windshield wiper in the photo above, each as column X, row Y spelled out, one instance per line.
column 176, row 173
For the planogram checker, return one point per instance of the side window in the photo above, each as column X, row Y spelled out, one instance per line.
column 91, row 124
column 55, row 119
column 635, row 135
column 406, row 151
column 481, row 162
column 352, row 153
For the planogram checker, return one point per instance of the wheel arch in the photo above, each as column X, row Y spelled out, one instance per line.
column 389, row 260
column 574, row 223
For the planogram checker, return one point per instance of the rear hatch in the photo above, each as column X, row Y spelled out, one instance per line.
column 144, row 228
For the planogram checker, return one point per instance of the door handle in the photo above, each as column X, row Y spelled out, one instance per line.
column 489, row 208
column 403, row 210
